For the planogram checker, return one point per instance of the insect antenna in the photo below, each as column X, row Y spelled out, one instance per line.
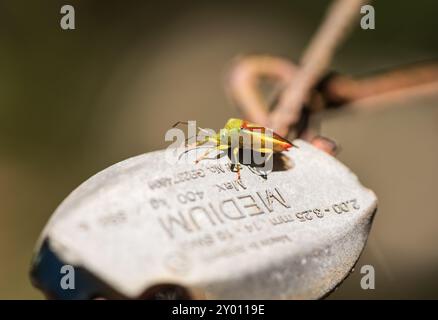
column 180, row 122
column 208, row 133
column 187, row 123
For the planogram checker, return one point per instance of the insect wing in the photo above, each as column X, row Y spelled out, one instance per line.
column 265, row 136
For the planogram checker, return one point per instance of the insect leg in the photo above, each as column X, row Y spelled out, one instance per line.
column 219, row 147
column 223, row 147
column 235, row 161
column 235, row 154
column 198, row 144
column 203, row 156
column 193, row 147
column 180, row 122
column 187, row 123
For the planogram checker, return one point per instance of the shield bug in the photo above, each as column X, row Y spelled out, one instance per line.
column 237, row 135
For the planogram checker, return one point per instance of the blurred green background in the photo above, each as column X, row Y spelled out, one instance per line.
column 75, row 102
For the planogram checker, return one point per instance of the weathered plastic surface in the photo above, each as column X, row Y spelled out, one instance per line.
column 143, row 222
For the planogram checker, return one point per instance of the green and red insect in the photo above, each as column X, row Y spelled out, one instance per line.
column 240, row 134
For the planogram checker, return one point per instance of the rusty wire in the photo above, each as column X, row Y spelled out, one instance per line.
column 309, row 83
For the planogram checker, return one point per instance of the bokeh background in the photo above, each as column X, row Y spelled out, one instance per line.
column 74, row 102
